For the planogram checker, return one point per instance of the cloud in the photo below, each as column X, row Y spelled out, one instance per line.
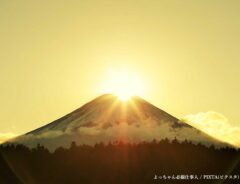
column 6, row 136
column 216, row 125
column 146, row 130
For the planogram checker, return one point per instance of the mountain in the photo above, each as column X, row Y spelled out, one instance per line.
column 108, row 119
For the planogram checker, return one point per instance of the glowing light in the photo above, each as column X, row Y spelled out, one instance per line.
column 124, row 84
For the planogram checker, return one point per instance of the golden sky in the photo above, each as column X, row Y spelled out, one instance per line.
column 55, row 56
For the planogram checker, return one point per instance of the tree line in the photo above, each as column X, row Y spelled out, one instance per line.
column 115, row 163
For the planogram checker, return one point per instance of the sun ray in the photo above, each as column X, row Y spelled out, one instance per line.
column 135, row 108
column 108, row 113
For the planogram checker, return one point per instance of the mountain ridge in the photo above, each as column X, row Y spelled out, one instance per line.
column 108, row 119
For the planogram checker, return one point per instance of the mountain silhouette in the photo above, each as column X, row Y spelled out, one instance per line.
column 108, row 119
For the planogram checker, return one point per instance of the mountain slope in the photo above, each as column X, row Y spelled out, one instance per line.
column 107, row 119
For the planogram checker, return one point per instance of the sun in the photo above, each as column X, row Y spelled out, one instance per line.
column 124, row 84
column 124, row 95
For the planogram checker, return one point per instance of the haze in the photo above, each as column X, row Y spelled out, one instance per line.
column 55, row 56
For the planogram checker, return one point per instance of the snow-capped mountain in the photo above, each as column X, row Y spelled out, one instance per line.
column 107, row 119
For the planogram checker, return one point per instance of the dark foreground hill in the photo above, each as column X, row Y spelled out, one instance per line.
column 6, row 173
column 119, row 163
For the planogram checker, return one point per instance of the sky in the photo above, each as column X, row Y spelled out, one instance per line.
column 56, row 55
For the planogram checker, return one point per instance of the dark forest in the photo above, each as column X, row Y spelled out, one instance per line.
column 117, row 163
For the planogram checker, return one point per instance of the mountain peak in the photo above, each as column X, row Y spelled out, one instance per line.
column 107, row 110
